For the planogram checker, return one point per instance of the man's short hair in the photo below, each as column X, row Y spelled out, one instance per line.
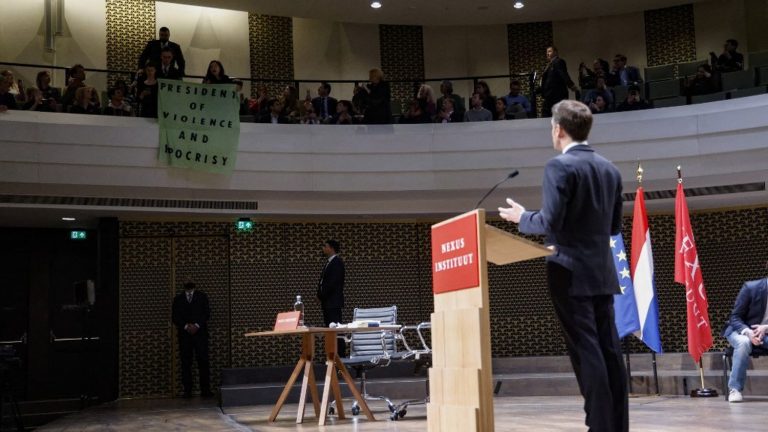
column 166, row 49
column 515, row 82
column 326, row 86
column 621, row 57
column 189, row 286
column 448, row 86
column 164, row 29
column 333, row 244
column 554, row 48
column 634, row 89
column 733, row 42
column 574, row 117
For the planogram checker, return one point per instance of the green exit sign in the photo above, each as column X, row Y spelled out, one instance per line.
column 77, row 235
column 244, row 225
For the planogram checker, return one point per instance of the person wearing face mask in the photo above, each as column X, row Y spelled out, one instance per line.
column 190, row 314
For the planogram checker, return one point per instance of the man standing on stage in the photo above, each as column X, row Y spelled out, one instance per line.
column 581, row 209
column 330, row 289
column 190, row 314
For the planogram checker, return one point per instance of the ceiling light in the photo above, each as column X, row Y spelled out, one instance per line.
column 518, row 4
column 68, row 219
column 375, row 4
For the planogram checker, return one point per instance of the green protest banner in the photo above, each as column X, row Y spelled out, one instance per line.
column 199, row 125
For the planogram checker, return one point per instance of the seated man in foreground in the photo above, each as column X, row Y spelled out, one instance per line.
column 745, row 329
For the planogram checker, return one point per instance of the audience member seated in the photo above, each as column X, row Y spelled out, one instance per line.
column 147, row 91
column 415, row 113
column 128, row 92
column 117, row 105
column 703, row 83
column 514, row 98
column 76, row 81
column 244, row 110
column 600, row 90
column 587, row 77
column 35, row 101
column 729, row 60
column 634, row 101
column 621, row 74
column 7, row 100
column 324, row 104
column 308, row 114
column 167, row 68
column 359, row 100
column 449, row 114
column 17, row 87
column 478, row 111
column 290, row 102
column 488, row 100
column 153, row 51
column 599, row 105
column 427, row 102
column 216, row 74
column 343, row 113
column 258, row 105
column 86, row 101
column 377, row 99
column 51, row 94
column 500, row 112
column 275, row 113
column 446, row 89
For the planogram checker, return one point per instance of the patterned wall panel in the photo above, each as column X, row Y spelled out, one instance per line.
column 130, row 25
column 402, row 59
column 527, row 44
column 271, row 42
column 252, row 276
column 670, row 35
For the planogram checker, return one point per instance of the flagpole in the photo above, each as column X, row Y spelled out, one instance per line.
column 703, row 391
column 655, row 373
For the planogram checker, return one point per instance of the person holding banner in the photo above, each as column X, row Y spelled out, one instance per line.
column 582, row 208
column 746, row 327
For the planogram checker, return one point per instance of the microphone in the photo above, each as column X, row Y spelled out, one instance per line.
column 513, row 174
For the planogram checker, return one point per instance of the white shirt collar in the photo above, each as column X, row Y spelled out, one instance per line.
column 574, row 144
column 332, row 257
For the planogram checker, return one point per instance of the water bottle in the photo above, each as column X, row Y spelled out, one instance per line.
column 299, row 307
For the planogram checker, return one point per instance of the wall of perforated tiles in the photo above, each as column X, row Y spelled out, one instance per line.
column 271, row 42
column 252, row 276
column 130, row 25
column 402, row 59
column 670, row 35
column 527, row 44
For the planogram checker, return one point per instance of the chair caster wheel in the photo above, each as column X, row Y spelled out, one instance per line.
column 401, row 414
column 355, row 410
column 393, row 417
column 331, row 411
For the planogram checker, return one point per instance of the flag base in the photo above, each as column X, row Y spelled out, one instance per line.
column 704, row 393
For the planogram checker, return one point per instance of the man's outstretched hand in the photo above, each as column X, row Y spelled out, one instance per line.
column 513, row 213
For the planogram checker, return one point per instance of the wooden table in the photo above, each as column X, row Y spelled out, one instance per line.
column 332, row 364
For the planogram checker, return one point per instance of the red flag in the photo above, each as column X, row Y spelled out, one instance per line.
column 688, row 273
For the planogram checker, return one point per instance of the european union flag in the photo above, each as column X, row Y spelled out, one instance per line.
column 624, row 304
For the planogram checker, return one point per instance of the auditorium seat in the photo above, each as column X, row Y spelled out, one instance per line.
column 758, row 59
column 727, row 360
column 744, row 92
column 738, row 80
column 711, row 97
column 669, row 102
column 663, row 89
column 689, row 68
column 762, row 75
column 659, row 73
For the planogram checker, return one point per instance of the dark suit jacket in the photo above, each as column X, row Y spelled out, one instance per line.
column 614, row 77
column 317, row 104
column 173, row 73
column 749, row 308
column 581, row 209
column 555, row 80
column 154, row 48
column 330, row 288
column 197, row 312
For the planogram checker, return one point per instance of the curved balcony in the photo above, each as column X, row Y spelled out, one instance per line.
column 53, row 161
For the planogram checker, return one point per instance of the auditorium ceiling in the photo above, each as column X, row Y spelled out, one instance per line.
column 439, row 12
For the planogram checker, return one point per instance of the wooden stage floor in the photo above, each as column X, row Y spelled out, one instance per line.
column 541, row 414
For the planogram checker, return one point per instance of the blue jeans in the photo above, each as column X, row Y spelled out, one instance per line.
column 742, row 347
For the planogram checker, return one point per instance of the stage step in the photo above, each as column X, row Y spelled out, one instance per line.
column 520, row 376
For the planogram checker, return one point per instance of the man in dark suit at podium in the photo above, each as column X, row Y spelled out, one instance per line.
column 330, row 289
column 155, row 47
column 190, row 314
column 581, row 209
